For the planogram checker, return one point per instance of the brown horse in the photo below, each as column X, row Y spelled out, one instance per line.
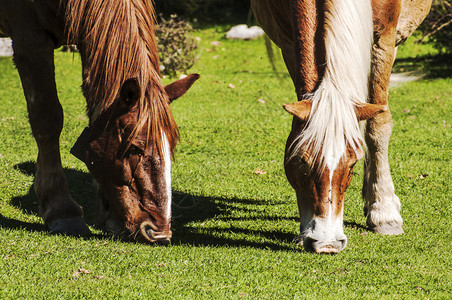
column 339, row 54
column 131, row 134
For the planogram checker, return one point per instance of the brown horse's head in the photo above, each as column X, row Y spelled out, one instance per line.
column 132, row 172
column 320, row 181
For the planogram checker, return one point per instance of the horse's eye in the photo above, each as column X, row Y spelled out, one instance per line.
column 302, row 160
column 134, row 150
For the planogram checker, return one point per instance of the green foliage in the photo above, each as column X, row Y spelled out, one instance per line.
column 176, row 45
column 233, row 228
column 437, row 27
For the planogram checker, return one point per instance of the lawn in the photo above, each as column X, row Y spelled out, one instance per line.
column 235, row 216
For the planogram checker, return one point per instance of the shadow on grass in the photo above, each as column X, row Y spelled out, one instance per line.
column 200, row 209
column 433, row 67
column 81, row 187
column 355, row 226
column 187, row 210
column 20, row 225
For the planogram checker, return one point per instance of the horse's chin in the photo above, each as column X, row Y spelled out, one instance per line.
column 112, row 227
column 146, row 232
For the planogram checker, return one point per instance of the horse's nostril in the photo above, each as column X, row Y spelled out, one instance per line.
column 147, row 231
column 308, row 244
column 343, row 243
column 151, row 234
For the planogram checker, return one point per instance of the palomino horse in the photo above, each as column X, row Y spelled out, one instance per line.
column 339, row 54
column 131, row 135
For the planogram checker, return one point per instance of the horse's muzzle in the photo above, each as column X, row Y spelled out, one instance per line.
column 328, row 247
column 152, row 235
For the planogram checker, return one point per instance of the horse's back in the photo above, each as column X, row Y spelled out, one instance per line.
column 274, row 17
column 20, row 17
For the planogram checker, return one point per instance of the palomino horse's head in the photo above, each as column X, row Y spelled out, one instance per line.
column 134, row 178
column 320, row 182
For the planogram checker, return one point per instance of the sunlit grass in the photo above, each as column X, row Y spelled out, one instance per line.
column 233, row 227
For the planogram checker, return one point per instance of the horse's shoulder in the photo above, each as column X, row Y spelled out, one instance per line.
column 412, row 14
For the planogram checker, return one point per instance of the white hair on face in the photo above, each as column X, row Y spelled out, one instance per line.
column 332, row 122
column 167, row 174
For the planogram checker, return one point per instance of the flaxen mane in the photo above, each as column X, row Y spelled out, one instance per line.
column 117, row 42
column 332, row 122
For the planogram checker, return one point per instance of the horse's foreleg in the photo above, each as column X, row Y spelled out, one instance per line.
column 382, row 207
column 33, row 56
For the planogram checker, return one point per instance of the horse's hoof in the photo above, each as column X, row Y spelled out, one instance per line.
column 388, row 229
column 71, row 226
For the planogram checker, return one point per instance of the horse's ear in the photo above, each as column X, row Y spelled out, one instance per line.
column 80, row 148
column 180, row 87
column 368, row 110
column 130, row 91
column 300, row 109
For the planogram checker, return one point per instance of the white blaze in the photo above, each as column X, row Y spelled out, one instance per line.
column 331, row 162
column 167, row 174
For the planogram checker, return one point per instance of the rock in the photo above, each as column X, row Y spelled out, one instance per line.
column 243, row 32
column 5, row 47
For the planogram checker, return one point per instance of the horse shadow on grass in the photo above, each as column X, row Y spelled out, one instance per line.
column 432, row 67
column 190, row 212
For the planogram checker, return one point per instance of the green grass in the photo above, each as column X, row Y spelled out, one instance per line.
column 234, row 229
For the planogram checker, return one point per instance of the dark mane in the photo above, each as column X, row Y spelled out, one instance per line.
column 117, row 42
